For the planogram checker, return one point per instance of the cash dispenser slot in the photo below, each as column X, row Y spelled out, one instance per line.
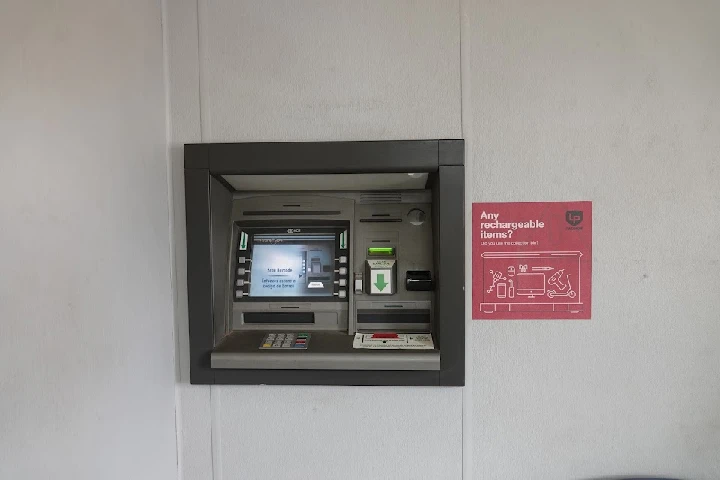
column 269, row 318
column 302, row 274
column 394, row 317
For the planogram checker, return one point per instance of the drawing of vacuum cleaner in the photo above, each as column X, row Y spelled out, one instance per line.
column 563, row 289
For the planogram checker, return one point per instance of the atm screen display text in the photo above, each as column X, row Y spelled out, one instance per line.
column 293, row 265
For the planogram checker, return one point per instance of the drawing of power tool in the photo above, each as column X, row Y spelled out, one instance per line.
column 563, row 289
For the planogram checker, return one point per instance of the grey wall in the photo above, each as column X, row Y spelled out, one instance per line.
column 615, row 102
column 86, row 323
column 619, row 103
column 312, row 71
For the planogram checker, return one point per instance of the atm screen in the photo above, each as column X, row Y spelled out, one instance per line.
column 293, row 265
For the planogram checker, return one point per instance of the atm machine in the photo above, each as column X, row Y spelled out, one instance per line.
column 334, row 263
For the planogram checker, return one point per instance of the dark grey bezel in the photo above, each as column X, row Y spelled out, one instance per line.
column 442, row 159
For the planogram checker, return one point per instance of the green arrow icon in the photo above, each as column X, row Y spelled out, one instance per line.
column 243, row 240
column 380, row 284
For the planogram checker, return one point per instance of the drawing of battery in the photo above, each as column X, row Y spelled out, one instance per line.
column 543, row 282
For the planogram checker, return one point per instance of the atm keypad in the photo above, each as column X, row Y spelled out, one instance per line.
column 285, row 340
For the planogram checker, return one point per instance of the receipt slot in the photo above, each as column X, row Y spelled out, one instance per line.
column 333, row 263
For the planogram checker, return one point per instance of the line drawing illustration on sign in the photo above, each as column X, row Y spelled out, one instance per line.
column 496, row 277
column 540, row 271
column 564, row 290
column 531, row 284
column 532, row 289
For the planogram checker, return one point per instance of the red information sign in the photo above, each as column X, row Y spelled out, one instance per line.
column 532, row 260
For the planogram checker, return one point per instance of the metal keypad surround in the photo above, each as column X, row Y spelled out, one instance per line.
column 285, row 340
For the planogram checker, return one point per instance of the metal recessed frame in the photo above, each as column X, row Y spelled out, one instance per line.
column 442, row 159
